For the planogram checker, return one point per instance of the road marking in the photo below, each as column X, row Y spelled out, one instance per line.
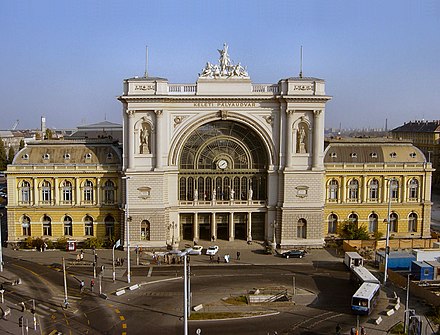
column 117, row 310
column 124, row 326
column 121, row 317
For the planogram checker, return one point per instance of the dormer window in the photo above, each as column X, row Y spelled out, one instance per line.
column 88, row 156
column 333, row 155
column 393, row 155
column 373, row 155
column 25, row 156
column 46, row 156
column 109, row 156
column 66, row 156
column 412, row 155
column 353, row 155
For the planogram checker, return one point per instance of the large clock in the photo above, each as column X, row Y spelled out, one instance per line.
column 222, row 164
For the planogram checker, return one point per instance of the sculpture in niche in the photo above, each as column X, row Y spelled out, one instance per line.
column 225, row 68
column 302, row 139
column 145, row 140
column 196, row 195
column 232, row 194
column 250, row 194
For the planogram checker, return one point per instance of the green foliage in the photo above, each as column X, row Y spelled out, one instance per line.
column 350, row 231
column 93, row 242
column 21, row 146
column 61, row 243
column 38, row 243
column 3, row 158
column 28, row 243
column 377, row 235
column 49, row 134
column 109, row 242
column 49, row 243
column 11, row 154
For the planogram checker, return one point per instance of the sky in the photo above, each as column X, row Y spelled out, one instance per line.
column 66, row 60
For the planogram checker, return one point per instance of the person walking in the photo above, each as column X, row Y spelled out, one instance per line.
column 81, row 286
column 92, row 285
column 238, row 255
column 363, row 332
column 338, row 329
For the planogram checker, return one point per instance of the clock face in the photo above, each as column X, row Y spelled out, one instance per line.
column 222, row 164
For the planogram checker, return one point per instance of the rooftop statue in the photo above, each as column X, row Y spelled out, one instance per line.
column 225, row 68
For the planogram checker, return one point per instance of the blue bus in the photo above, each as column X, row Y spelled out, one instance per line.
column 365, row 298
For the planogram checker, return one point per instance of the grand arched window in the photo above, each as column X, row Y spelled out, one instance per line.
column 413, row 189
column 66, row 192
column 88, row 191
column 333, row 187
column 88, row 225
column 145, row 230
column 332, row 223
column 47, row 226
column 223, row 161
column 25, row 192
column 373, row 190
column 353, row 190
column 353, row 219
column 68, row 229
column 109, row 192
column 46, row 192
column 394, row 220
column 109, row 226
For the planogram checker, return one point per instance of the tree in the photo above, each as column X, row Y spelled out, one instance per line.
column 21, row 146
column 351, row 231
column 3, row 158
column 11, row 154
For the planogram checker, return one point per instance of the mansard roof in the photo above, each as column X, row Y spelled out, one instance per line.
column 420, row 126
column 371, row 150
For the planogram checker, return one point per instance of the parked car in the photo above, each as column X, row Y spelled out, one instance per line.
column 294, row 254
column 196, row 250
column 212, row 250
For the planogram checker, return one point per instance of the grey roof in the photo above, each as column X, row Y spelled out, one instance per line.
column 101, row 125
column 305, row 79
column 419, row 127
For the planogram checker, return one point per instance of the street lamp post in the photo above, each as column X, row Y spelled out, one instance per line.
column 186, row 289
column 127, row 230
column 387, row 247
column 274, row 238
column 1, row 244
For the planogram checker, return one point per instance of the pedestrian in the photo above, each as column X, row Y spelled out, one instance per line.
column 81, row 286
column 92, row 285
column 81, row 255
column 363, row 332
column 338, row 329
column 211, row 258
column 218, row 259
column 238, row 255
column 96, row 259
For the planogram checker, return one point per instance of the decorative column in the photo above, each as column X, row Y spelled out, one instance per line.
column 249, row 226
column 364, row 189
column 213, row 227
column 404, row 189
column 77, row 192
column 344, row 189
column 231, row 227
column 318, row 141
column 98, row 191
column 131, row 145
column 56, row 199
column 196, row 227
column 35, row 185
column 289, row 135
column 158, row 140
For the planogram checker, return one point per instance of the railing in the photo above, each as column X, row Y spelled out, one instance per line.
column 189, row 89
column 265, row 88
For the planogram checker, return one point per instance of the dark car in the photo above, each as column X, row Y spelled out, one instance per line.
column 294, row 254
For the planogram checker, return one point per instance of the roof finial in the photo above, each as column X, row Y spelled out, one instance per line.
column 301, row 63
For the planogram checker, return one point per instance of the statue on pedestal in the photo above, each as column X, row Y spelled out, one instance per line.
column 145, row 139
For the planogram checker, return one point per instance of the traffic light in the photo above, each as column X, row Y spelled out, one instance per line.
column 20, row 321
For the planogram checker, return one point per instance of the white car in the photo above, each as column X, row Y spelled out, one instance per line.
column 196, row 250
column 212, row 250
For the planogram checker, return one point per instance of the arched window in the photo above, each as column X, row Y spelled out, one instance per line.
column 88, row 191
column 46, row 192
column 66, row 191
column 182, row 186
column 109, row 226
column 394, row 184
column 333, row 190
column 373, row 191
column 109, row 192
column 412, row 223
column 413, row 189
column 394, row 223
column 353, row 190
column 353, row 220
column 47, row 226
column 26, row 225
column 145, row 230
column 88, row 225
column 372, row 223
column 332, row 223
column 25, row 192
column 67, row 223
column 301, row 228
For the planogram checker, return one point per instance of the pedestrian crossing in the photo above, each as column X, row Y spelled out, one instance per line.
column 54, row 303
